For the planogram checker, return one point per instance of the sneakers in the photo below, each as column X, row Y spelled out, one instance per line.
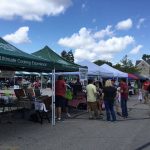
column 59, row 119
column 68, row 115
column 119, row 114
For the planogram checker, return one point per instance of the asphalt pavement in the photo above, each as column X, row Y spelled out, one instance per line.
column 80, row 133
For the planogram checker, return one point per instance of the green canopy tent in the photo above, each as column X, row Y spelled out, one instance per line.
column 11, row 58
column 60, row 64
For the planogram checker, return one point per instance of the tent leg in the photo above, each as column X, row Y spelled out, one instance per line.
column 53, row 97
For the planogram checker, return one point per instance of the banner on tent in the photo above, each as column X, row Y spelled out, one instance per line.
column 9, row 59
column 83, row 73
column 7, row 74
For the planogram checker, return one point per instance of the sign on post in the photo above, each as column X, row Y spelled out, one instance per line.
column 83, row 74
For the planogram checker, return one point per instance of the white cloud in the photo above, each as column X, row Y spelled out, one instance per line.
column 124, row 25
column 136, row 50
column 78, row 40
column 105, row 32
column 140, row 22
column 32, row 9
column 88, row 46
column 18, row 37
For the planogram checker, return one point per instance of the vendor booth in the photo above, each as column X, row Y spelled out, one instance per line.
column 14, row 59
column 94, row 69
column 116, row 73
column 60, row 65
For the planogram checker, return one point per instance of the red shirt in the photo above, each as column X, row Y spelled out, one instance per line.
column 124, row 90
column 60, row 88
column 146, row 85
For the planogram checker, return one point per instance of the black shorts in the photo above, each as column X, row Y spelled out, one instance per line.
column 60, row 101
column 66, row 103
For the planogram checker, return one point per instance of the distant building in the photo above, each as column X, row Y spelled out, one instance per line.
column 144, row 67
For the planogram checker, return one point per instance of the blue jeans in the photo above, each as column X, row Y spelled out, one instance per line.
column 124, row 107
column 109, row 106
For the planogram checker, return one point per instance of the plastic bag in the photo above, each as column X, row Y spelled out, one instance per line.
column 69, row 95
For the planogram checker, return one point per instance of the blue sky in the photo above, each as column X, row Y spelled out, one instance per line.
column 92, row 29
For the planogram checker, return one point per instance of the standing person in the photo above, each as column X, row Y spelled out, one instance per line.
column 140, row 96
column 36, row 84
column 68, row 97
column 77, row 87
column 117, row 102
column 135, row 87
column 117, row 98
column 99, row 99
column 60, row 91
column 145, row 90
column 109, row 92
column 91, row 99
column 124, row 98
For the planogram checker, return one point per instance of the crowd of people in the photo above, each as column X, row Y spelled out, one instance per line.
column 108, row 96
column 100, row 96
column 113, row 97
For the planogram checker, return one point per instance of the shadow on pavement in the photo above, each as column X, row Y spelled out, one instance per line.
column 143, row 146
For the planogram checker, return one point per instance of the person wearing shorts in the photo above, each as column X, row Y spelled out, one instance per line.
column 91, row 99
column 60, row 91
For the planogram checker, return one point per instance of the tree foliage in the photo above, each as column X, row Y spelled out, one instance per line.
column 146, row 57
column 64, row 54
column 67, row 55
column 126, row 66
column 101, row 62
column 70, row 56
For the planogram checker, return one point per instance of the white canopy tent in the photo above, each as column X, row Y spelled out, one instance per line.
column 115, row 72
column 94, row 69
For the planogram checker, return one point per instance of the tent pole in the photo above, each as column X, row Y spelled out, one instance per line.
column 41, row 81
column 117, row 80
column 127, row 80
column 14, row 80
column 53, row 97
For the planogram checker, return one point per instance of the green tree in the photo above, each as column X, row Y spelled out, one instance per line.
column 146, row 57
column 101, row 62
column 126, row 63
column 118, row 66
column 64, row 54
column 126, row 66
column 70, row 56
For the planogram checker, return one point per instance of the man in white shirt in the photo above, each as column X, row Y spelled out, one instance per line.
column 91, row 99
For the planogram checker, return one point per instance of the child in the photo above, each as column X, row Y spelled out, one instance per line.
column 140, row 96
column 117, row 102
column 99, row 100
